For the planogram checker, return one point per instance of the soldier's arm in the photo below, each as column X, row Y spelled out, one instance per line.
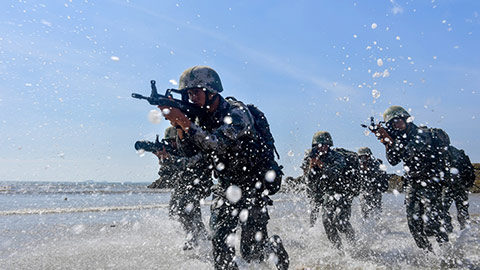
column 393, row 153
column 227, row 135
column 355, row 178
column 381, row 178
column 192, row 162
column 306, row 163
column 309, row 177
column 186, row 146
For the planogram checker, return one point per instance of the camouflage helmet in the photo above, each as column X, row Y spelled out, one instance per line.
column 364, row 151
column 394, row 112
column 170, row 133
column 322, row 137
column 200, row 76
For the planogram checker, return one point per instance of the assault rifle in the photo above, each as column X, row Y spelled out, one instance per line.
column 379, row 131
column 155, row 146
column 190, row 110
column 373, row 127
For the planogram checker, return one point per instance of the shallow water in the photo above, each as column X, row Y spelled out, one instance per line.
column 130, row 229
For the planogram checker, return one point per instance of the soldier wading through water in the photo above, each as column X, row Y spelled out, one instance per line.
column 424, row 156
column 229, row 138
column 373, row 182
column 191, row 182
column 331, row 177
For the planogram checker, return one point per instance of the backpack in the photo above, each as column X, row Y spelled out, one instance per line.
column 270, row 171
column 456, row 158
column 439, row 136
column 459, row 160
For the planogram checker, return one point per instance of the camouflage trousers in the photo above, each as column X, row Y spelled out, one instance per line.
column 255, row 244
column 186, row 206
column 337, row 209
column 459, row 195
column 425, row 215
column 371, row 204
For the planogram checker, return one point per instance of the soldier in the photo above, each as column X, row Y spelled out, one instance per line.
column 461, row 179
column 168, row 171
column 374, row 182
column 422, row 151
column 331, row 184
column 229, row 138
column 191, row 181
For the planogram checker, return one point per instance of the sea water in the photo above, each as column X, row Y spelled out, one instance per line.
column 92, row 225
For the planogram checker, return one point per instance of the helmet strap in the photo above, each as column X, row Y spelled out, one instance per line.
column 209, row 101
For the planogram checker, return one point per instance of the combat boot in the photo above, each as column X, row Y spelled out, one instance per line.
column 275, row 247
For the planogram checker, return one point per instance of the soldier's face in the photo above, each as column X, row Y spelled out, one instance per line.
column 398, row 124
column 197, row 96
column 363, row 159
column 322, row 149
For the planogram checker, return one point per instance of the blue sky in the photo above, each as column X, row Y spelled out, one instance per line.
column 67, row 69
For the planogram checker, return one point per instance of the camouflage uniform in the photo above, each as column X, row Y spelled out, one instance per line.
column 458, row 194
column 373, row 183
column 333, row 188
column 424, row 163
column 191, row 181
column 193, row 184
column 460, row 180
column 168, row 174
column 228, row 138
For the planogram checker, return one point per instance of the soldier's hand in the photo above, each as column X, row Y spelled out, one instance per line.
column 176, row 117
column 316, row 163
column 383, row 135
column 180, row 133
column 162, row 154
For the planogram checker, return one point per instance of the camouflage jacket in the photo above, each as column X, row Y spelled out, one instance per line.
column 228, row 139
column 333, row 178
column 373, row 179
column 169, row 172
column 424, row 161
column 182, row 172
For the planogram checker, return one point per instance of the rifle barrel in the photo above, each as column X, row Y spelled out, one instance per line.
column 135, row 95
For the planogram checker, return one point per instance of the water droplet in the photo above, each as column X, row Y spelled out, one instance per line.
column 227, row 120
column 243, row 215
column 270, row 176
column 189, row 208
column 234, row 193
column 258, row 236
column 231, row 240
column 220, row 167
column 155, row 117
column 165, row 111
column 383, row 167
